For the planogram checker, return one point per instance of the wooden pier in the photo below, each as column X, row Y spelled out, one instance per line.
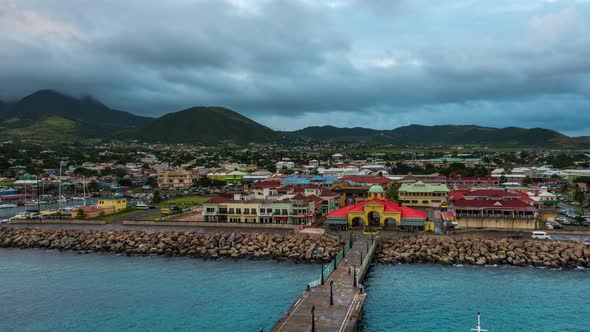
column 312, row 311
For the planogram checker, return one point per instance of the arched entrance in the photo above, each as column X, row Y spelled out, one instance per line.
column 358, row 222
column 374, row 219
column 390, row 223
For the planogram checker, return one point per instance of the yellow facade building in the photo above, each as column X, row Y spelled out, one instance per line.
column 112, row 204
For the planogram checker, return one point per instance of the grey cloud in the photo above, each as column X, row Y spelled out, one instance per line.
column 293, row 59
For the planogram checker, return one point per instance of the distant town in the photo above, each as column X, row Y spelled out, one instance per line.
column 334, row 187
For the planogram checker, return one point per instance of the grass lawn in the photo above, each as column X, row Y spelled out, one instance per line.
column 126, row 212
column 183, row 202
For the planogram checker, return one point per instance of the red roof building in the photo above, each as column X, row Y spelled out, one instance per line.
column 375, row 211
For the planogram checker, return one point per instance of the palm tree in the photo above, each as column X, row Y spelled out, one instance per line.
column 580, row 197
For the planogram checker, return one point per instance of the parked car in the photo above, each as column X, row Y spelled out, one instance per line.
column 540, row 235
column 554, row 225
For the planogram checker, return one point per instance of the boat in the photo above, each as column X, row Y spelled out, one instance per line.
column 478, row 327
column 80, row 198
column 8, row 206
column 141, row 206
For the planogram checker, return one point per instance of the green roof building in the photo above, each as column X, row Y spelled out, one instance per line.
column 426, row 195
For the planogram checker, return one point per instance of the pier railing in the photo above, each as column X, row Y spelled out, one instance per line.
column 327, row 271
column 366, row 261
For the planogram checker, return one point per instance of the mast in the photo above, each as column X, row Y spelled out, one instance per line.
column 59, row 191
column 84, row 189
column 38, row 200
column 478, row 327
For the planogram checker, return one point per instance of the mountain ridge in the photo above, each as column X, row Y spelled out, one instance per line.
column 51, row 115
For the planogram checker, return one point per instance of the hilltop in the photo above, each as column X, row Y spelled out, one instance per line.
column 50, row 115
column 205, row 125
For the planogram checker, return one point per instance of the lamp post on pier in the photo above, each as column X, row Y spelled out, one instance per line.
column 313, row 318
column 354, row 276
column 322, row 274
column 331, row 293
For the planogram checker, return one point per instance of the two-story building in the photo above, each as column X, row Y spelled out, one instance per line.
column 177, row 178
column 494, row 209
column 423, row 195
column 297, row 210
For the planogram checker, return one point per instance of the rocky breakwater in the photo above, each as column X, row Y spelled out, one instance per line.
column 206, row 245
column 444, row 250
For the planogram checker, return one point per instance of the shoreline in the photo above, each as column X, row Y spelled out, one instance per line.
column 301, row 248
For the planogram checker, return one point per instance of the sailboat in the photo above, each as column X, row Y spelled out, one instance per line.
column 478, row 327
column 84, row 197
column 60, row 198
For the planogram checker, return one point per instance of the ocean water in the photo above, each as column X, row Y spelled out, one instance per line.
column 63, row 291
column 440, row 298
column 43, row 290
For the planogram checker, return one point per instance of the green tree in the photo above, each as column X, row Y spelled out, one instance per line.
column 156, row 198
column 579, row 197
column 527, row 180
column 393, row 192
column 503, row 179
column 125, row 182
column 93, row 186
column 80, row 214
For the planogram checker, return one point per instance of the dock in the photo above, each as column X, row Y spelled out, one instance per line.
column 312, row 311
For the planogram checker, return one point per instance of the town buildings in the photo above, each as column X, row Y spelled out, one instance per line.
column 176, row 178
column 423, row 195
column 376, row 211
column 269, row 203
column 494, row 208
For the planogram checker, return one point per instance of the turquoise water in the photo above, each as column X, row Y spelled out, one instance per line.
column 439, row 298
column 53, row 291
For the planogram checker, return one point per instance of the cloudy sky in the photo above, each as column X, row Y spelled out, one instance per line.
column 294, row 63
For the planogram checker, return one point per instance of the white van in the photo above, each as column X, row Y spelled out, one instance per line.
column 541, row 235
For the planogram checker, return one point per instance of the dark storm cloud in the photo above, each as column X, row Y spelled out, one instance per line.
column 297, row 63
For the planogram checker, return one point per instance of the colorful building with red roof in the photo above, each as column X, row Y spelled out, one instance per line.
column 376, row 211
column 495, row 209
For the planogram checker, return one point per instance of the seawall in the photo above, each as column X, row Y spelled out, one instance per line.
column 445, row 250
column 304, row 248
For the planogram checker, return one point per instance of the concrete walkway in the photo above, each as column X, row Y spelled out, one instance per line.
column 344, row 314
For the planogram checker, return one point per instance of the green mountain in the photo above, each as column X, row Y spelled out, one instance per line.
column 444, row 135
column 49, row 115
column 205, row 125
